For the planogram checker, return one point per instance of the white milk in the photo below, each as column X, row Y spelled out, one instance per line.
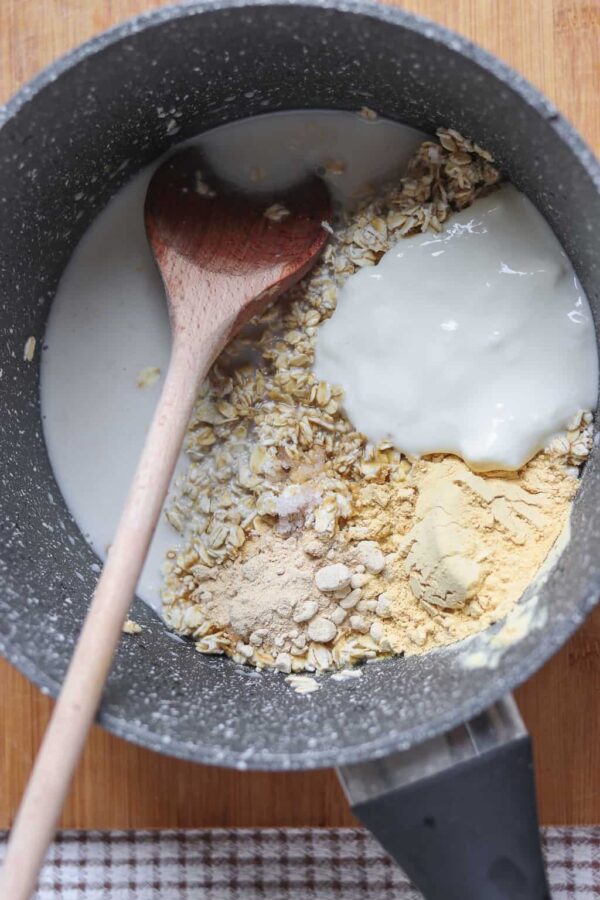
column 478, row 341
column 109, row 321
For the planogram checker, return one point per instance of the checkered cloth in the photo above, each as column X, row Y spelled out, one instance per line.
column 268, row 864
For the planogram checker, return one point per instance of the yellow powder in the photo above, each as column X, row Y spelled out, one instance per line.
column 461, row 547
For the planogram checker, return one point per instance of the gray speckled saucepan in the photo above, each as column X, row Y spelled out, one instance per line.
column 68, row 141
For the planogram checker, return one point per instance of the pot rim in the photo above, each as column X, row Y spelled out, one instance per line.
column 556, row 635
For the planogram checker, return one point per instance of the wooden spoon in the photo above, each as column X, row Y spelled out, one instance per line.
column 222, row 260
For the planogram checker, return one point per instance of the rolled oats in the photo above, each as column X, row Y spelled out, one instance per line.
column 303, row 684
column 271, row 453
column 29, row 349
column 333, row 578
column 321, row 630
column 371, row 556
column 276, row 212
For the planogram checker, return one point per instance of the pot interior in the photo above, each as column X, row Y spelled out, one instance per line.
column 66, row 145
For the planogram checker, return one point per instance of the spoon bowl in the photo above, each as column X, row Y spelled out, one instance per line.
column 210, row 238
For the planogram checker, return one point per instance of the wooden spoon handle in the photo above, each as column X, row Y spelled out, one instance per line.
column 82, row 688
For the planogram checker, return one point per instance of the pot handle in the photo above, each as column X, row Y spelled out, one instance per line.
column 458, row 812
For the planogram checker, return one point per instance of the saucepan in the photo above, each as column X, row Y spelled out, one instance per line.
column 430, row 748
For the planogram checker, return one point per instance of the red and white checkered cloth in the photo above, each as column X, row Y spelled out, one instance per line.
column 268, row 864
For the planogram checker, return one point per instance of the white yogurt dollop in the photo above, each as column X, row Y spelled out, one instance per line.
column 478, row 341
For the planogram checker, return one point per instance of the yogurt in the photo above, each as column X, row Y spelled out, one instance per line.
column 478, row 341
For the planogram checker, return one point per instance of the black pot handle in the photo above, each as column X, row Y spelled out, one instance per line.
column 458, row 812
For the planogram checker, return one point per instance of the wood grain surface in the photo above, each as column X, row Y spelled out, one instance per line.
column 556, row 45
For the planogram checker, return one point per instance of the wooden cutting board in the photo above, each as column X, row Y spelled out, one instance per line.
column 554, row 43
